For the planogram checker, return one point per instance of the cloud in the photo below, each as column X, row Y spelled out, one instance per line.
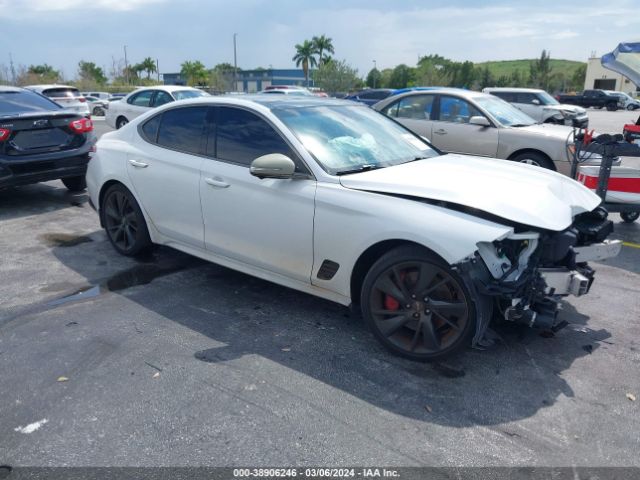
column 25, row 8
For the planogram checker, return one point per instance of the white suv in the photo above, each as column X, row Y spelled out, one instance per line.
column 541, row 106
column 66, row 96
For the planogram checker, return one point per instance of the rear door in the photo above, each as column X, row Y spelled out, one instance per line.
column 453, row 133
column 414, row 112
column 164, row 167
column 137, row 104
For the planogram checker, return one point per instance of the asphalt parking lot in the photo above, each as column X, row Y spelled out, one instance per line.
column 169, row 360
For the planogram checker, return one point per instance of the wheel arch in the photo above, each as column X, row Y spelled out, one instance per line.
column 533, row 150
column 367, row 258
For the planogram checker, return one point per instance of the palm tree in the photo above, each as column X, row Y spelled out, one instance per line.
column 322, row 44
column 149, row 66
column 195, row 72
column 305, row 55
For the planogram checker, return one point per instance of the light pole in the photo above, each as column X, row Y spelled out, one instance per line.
column 375, row 70
column 235, row 64
column 126, row 66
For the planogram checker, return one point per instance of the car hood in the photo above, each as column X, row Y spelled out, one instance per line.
column 566, row 108
column 548, row 130
column 521, row 193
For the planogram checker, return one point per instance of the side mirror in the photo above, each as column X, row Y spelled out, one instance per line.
column 273, row 165
column 480, row 121
column 535, row 101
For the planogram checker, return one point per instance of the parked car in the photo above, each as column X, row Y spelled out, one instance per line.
column 629, row 102
column 67, row 96
column 97, row 106
column 333, row 199
column 41, row 141
column 370, row 96
column 592, row 98
column 139, row 101
column 117, row 96
column 541, row 106
column 101, row 95
column 473, row 123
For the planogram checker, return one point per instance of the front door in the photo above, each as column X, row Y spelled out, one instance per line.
column 266, row 223
column 414, row 112
column 453, row 133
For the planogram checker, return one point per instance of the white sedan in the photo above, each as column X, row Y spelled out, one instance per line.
column 121, row 112
column 332, row 198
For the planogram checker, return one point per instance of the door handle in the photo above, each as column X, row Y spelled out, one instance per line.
column 216, row 183
column 139, row 164
column 440, row 132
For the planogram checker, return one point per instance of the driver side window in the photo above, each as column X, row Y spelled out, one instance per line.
column 457, row 110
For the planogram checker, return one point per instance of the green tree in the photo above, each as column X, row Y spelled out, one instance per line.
column 322, row 44
column 195, row 72
column 485, row 78
column 336, row 76
column 515, row 79
column 305, row 56
column 576, row 82
column 374, row 78
column 540, row 71
column 148, row 65
column 44, row 73
column 89, row 72
column 402, row 76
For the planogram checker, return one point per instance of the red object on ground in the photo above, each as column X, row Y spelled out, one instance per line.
column 623, row 186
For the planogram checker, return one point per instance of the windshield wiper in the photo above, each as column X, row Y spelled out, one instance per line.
column 521, row 125
column 361, row 168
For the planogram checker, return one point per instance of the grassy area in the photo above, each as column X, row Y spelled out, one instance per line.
column 507, row 67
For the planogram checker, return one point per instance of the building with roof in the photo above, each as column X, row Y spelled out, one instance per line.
column 251, row 81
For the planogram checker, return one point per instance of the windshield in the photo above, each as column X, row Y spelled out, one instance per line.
column 184, row 94
column 62, row 92
column 547, row 99
column 351, row 138
column 504, row 112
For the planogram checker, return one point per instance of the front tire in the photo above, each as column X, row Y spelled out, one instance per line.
column 98, row 111
column 629, row 217
column 612, row 107
column 124, row 222
column 417, row 306
column 75, row 184
column 534, row 158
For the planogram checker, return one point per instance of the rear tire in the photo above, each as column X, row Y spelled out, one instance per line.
column 534, row 158
column 75, row 184
column 417, row 306
column 612, row 107
column 124, row 222
column 121, row 122
column 98, row 112
column 629, row 217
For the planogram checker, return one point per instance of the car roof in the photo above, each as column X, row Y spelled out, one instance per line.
column 461, row 92
column 8, row 88
column 509, row 89
column 270, row 102
column 166, row 88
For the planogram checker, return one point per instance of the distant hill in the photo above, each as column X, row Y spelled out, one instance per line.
column 507, row 67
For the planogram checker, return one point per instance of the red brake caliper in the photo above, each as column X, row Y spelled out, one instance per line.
column 391, row 303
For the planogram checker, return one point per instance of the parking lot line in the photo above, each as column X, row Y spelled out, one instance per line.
column 630, row 244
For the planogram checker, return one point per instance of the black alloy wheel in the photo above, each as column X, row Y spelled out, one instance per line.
column 417, row 306
column 124, row 222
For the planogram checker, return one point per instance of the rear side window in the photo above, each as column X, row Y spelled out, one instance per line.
column 243, row 136
column 150, row 129
column 141, row 99
column 25, row 101
column 61, row 92
column 182, row 129
column 416, row 107
column 161, row 98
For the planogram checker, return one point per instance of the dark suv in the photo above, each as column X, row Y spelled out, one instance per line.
column 40, row 141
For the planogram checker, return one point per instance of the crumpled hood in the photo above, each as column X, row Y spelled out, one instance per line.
column 521, row 193
column 562, row 107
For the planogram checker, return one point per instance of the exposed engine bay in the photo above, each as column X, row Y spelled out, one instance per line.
column 522, row 278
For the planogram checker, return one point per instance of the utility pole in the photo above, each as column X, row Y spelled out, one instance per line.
column 375, row 71
column 158, row 70
column 126, row 66
column 235, row 64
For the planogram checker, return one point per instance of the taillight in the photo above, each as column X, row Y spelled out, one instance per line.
column 83, row 125
column 4, row 134
column 82, row 99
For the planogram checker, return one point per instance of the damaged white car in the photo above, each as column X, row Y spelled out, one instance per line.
column 334, row 199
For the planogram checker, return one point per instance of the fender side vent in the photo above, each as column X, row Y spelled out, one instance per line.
column 327, row 270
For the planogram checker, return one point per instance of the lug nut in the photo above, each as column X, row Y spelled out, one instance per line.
column 416, row 315
column 408, row 305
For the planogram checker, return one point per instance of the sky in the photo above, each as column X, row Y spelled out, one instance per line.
column 63, row 32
